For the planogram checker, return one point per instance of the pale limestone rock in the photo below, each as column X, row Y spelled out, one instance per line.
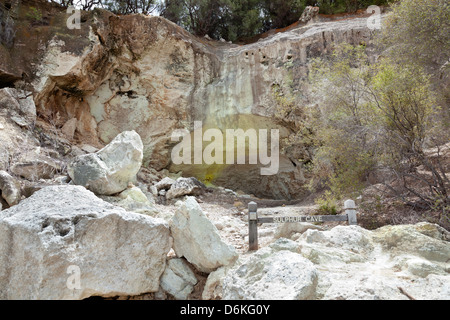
column 351, row 238
column 109, row 170
column 354, row 263
column 62, row 231
column 198, row 240
column 422, row 268
column 213, row 289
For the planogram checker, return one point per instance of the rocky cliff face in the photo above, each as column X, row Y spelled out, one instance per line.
column 146, row 74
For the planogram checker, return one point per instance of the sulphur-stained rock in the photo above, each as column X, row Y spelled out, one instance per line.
column 271, row 274
column 9, row 188
column 197, row 239
column 109, row 170
column 133, row 199
column 65, row 243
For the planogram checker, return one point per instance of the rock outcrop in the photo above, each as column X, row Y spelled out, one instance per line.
column 65, row 243
column 146, row 74
column 345, row 262
column 109, row 170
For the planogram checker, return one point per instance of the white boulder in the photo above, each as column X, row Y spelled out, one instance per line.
column 109, row 170
column 198, row 240
column 65, row 243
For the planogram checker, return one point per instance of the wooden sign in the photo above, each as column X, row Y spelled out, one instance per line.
column 302, row 219
column 253, row 220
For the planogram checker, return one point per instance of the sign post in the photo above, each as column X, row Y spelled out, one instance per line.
column 252, row 226
column 350, row 210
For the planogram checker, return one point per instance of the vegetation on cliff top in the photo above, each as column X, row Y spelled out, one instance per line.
column 227, row 19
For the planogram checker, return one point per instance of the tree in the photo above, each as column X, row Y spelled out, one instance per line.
column 345, row 150
column 130, row 6
column 199, row 17
column 379, row 116
column 243, row 20
column 281, row 13
column 418, row 32
column 406, row 104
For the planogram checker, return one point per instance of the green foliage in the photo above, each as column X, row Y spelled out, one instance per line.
column 342, row 6
column 377, row 116
column 199, row 17
column 405, row 103
column 418, row 32
column 129, row 6
column 34, row 14
column 344, row 150
column 281, row 13
column 327, row 204
column 243, row 19
column 240, row 19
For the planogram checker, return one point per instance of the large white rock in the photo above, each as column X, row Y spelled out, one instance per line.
column 65, row 243
column 109, row 170
column 198, row 240
column 271, row 274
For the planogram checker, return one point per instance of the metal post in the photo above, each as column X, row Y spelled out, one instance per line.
column 252, row 226
column 350, row 210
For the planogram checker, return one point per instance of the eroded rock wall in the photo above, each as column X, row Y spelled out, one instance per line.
column 144, row 73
